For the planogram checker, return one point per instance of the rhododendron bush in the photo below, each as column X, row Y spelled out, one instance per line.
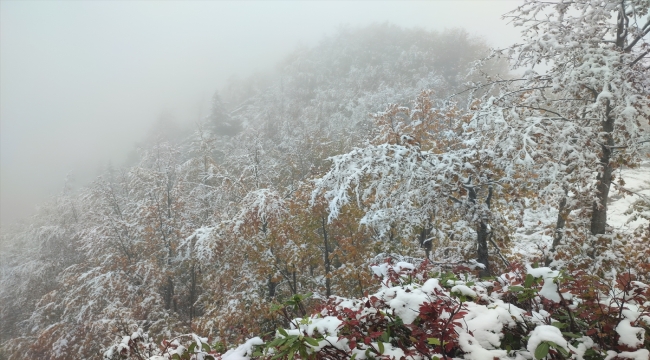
column 421, row 313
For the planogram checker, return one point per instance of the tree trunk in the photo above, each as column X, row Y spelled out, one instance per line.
column 425, row 241
column 192, row 293
column 562, row 214
column 604, row 178
column 482, row 251
column 326, row 260
column 482, row 232
column 170, row 302
column 271, row 286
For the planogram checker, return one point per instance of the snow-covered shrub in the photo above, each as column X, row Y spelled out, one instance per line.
column 529, row 312
column 140, row 346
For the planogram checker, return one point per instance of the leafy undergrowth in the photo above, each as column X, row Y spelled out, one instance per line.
column 529, row 312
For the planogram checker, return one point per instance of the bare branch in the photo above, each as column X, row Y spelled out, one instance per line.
column 646, row 30
column 639, row 58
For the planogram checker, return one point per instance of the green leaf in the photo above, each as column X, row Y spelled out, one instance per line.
column 558, row 325
column 192, row 347
column 291, row 339
column 275, row 342
column 572, row 335
column 381, row 347
column 542, row 350
column 283, row 332
column 311, row 341
column 516, row 288
column 562, row 351
column 558, row 348
column 384, row 336
column 303, row 352
column 205, row 347
column 530, row 279
column 591, row 352
column 354, row 356
column 398, row 321
column 433, row 341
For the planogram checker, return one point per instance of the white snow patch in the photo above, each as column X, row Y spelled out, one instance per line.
column 549, row 289
column 631, row 336
column 546, row 333
column 243, row 351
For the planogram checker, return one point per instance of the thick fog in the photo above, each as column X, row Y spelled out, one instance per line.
column 83, row 82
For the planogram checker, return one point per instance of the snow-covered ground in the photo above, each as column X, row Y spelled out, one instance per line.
column 628, row 209
column 536, row 230
column 629, row 205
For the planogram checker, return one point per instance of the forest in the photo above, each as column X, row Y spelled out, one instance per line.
column 389, row 193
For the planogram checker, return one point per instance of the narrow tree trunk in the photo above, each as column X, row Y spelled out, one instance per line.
column 361, row 290
column 482, row 251
column 604, row 178
column 271, row 286
column 326, row 259
column 425, row 241
column 599, row 209
column 170, row 302
column 192, row 292
column 482, row 232
column 562, row 214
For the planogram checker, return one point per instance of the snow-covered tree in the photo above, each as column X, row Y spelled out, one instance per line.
column 581, row 108
column 551, row 136
column 429, row 170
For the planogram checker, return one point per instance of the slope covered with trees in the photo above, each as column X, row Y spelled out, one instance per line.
column 380, row 154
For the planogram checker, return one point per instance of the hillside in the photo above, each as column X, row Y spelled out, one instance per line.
column 365, row 167
column 127, row 241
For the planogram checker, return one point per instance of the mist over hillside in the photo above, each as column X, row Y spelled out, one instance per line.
column 82, row 83
column 268, row 133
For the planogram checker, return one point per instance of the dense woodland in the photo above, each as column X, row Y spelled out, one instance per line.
column 388, row 193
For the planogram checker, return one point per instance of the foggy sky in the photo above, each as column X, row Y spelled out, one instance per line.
column 82, row 81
